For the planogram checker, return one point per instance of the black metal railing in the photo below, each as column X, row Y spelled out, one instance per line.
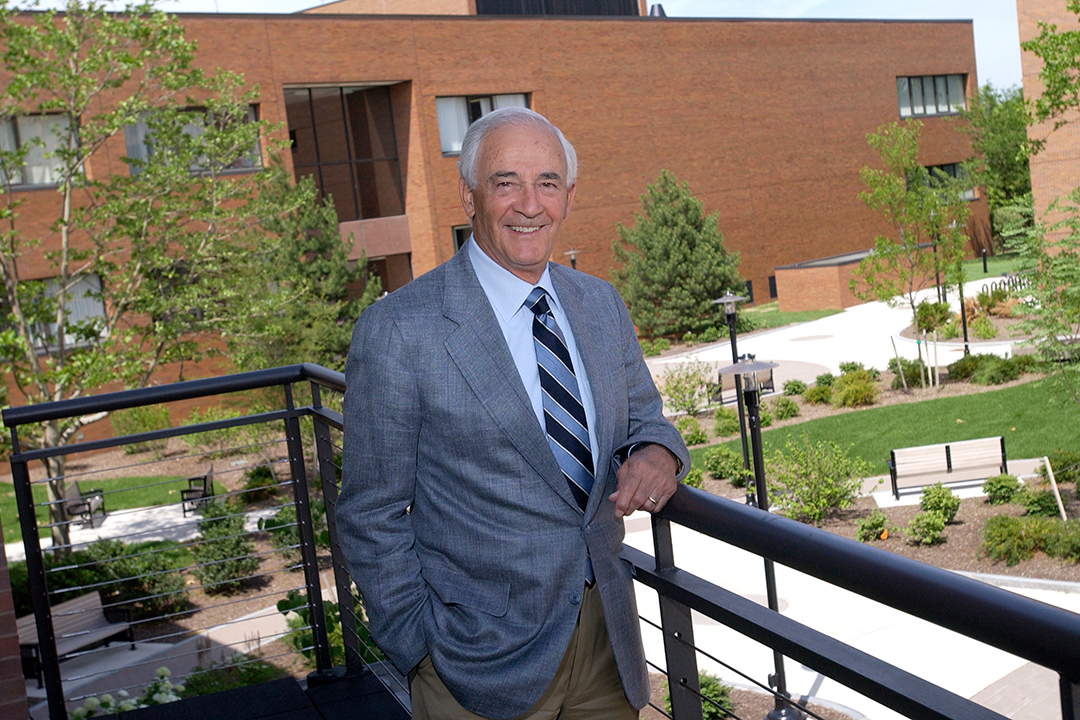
column 1040, row 633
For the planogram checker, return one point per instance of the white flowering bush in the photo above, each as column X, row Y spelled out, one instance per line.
column 158, row 692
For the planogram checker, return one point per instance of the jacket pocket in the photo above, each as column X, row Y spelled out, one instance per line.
column 487, row 596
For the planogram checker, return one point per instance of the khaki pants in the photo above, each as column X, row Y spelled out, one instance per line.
column 586, row 685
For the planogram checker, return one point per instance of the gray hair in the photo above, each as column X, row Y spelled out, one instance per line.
column 518, row 117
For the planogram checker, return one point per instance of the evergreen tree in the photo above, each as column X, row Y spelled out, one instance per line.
column 674, row 263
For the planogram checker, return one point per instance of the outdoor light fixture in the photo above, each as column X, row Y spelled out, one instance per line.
column 748, row 370
column 572, row 253
column 730, row 301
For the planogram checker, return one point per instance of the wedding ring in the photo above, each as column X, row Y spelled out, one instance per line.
column 653, row 500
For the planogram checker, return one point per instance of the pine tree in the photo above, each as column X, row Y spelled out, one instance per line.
column 674, row 263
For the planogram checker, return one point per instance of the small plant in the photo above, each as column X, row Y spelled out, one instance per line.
column 662, row 344
column 723, row 463
column 824, row 380
column 818, row 395
column 1000, row 489
column 965, row 367
column 931, row 315
column 234, row 672
column 259, row 484
column 727, row 422
column 689, row 338
column 983, row 328
column 874, row 527
column 139, row 420
column 648, row 349
column 694, row 478
column 853, row 389
column 994, row 370
column 1010, row 539
column 298, row 617
column 684, row 387
column 913, row 372
column 765, row 416
column 940, row 499
column 160, row 691
column 222, row 555
column 710, row 335
column 814, row 479
column 784, row 408
column 794, row 387
column 690, row 429
column 715, row 698
column 949, row 331
column 926, row 528
column 1038, row 502
column 853, row 367
column 1065, row 543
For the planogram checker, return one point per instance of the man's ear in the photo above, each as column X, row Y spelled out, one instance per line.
column 466, row 198
column 569, row 199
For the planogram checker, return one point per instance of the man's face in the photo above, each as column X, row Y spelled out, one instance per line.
column 521, row 198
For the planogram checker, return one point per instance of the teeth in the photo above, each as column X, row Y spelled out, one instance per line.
column 523, row 229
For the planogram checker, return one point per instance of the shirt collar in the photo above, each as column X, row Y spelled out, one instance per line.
column 505, row 291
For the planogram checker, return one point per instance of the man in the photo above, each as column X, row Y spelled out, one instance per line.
column 499, row 423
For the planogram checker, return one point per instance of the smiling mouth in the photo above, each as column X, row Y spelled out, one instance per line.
column 524, row 229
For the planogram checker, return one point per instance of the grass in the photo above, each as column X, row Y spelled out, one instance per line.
column 120, row 494
column 769, row 316
column 1035, row 418
column 995, row 265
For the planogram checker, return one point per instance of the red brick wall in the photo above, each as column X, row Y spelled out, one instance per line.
column 12, row 687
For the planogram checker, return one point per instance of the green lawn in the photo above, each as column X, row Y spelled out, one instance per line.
column 120, row 494
column 1036, row 418
column 769, row 316
column 995, row 265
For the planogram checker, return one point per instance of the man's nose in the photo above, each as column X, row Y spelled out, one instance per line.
column 528, row 201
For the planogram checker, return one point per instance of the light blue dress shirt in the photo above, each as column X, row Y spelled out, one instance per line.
column 507, row 293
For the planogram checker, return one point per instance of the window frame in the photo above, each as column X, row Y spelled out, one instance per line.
column 452, row 137
column 254, row 154
column 91, row 285
column 18, row 144
column 913, row 89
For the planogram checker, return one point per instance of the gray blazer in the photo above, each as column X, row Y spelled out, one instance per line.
column 456, row 521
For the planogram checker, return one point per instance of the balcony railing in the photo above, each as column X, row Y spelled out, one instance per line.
column 283, row 437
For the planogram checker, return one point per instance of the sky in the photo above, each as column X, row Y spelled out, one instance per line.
column 997, row 43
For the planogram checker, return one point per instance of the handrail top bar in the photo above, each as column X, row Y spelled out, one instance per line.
column 123, row 399
column 1044, row 634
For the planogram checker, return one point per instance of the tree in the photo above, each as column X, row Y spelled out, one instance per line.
column 996, row 123
column 925, row 213
column 673, row 262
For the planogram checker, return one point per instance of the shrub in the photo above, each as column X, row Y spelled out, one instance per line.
column 648, row 349
column 874, row 527
column 926, row 528
column 723, row 463
column 259, row 484
column 965, row 367
column 1027, row 363
column 710, row 687
column 1000, row 489
column 234, row 672
column 983, row 328
column 818, row 394
column 931, row 315
column 1066, row 465
column 785, row 408
column 727, row 422
column 1038, row 502
column 689, row 338
column 813, row 479
column 148, row 582
column 662, row 344
column 940, row 499
column 141, row 419
column 851, row 367
column 1065, row 543
column 949, row 331
column 690, row 429
column 284, row 532
column 694, row 478
column 710, row 335
column 794, row 387
column 222, row 555
column 295, row 609
column 765, row 416
column 994, row 370
column 684, row 387
column 1011, row 539
column 913, row 371
column 853, row 389
column 824, row 380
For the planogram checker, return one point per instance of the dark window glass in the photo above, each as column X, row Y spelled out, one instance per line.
column 772, row 287
column 557, row 7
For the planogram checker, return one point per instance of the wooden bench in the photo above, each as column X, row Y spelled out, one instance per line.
column 81, row 505
column 77, row 624
column 961, row 461
column 200, row 488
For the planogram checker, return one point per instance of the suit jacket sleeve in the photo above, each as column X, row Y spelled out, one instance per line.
column 381, row 428
column 647, row 423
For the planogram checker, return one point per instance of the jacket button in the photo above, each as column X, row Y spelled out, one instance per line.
column 575, row 598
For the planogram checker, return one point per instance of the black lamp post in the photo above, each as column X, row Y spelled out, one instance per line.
column 572, row 254
column 730, row 302
column 748, row 370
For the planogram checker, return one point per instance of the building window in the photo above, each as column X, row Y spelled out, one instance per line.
column 456, row 114
column 462, row 233
column 952, row 170
column 750, row 292
column 772, row 287
column 41, row 136
column 557, row 7
column 140, row 147
column 344, row 138
column 85, row 311
column 923, row 95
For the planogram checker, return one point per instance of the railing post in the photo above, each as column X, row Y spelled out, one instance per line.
column 39, row 588
column 1070, row 698
column 678, row 628
column 324, row 450
column 295, row 444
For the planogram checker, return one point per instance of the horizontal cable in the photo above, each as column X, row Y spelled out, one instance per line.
column 199, row 587
column 194, row 610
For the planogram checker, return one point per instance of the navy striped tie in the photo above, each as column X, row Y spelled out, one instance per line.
column 564, row 415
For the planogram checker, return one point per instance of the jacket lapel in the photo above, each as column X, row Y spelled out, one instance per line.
column 479, row 351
